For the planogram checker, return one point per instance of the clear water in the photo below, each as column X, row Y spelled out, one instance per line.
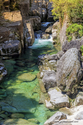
column 24, row 95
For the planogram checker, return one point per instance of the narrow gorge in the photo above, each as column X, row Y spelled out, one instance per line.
column 41, row 71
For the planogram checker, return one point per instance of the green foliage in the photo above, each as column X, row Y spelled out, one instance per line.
column 73, row 8
column 81, row 48
column 74, row 30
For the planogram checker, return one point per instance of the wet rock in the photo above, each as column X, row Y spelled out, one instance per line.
column 56, row 117
column 17, row 115
column 27, row 77
column 68, row 73
column 49, row 79
column 57, row 99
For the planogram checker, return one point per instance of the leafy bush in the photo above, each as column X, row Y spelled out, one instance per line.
column 75, row 30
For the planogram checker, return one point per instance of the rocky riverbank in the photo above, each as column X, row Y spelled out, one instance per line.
column 61, row 77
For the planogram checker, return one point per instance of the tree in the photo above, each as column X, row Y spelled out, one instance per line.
column 70, row 8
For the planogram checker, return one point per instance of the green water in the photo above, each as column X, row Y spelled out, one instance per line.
column 23, row 94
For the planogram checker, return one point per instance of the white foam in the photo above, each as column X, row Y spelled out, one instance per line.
column 39, row 43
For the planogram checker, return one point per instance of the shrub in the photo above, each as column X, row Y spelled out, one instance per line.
column 75, row 30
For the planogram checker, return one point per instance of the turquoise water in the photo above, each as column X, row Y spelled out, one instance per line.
column 22, row 86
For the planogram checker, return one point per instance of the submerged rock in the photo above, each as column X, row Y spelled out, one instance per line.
column 27, row 77
column 68, row 73
column 18, row 122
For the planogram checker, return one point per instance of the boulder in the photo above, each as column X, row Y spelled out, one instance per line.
column 57, row 99
column 3, row 72
column 68, row 73
column 72, row 44
column 56, row 117
column 49, row 79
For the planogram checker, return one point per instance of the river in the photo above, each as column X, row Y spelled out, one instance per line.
column 22, row 87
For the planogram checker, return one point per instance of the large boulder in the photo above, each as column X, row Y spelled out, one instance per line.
column 69, row 71
column 57, row 99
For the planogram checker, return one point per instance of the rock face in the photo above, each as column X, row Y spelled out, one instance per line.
column 57, row 99
column 3, row 72
column 11, row 33
column 72, row 44
column 35, row 22
column 28, row 33
column 68, row 71
column 41, row 9
column 56, row 117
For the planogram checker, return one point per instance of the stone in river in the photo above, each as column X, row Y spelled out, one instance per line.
column 27, row 77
